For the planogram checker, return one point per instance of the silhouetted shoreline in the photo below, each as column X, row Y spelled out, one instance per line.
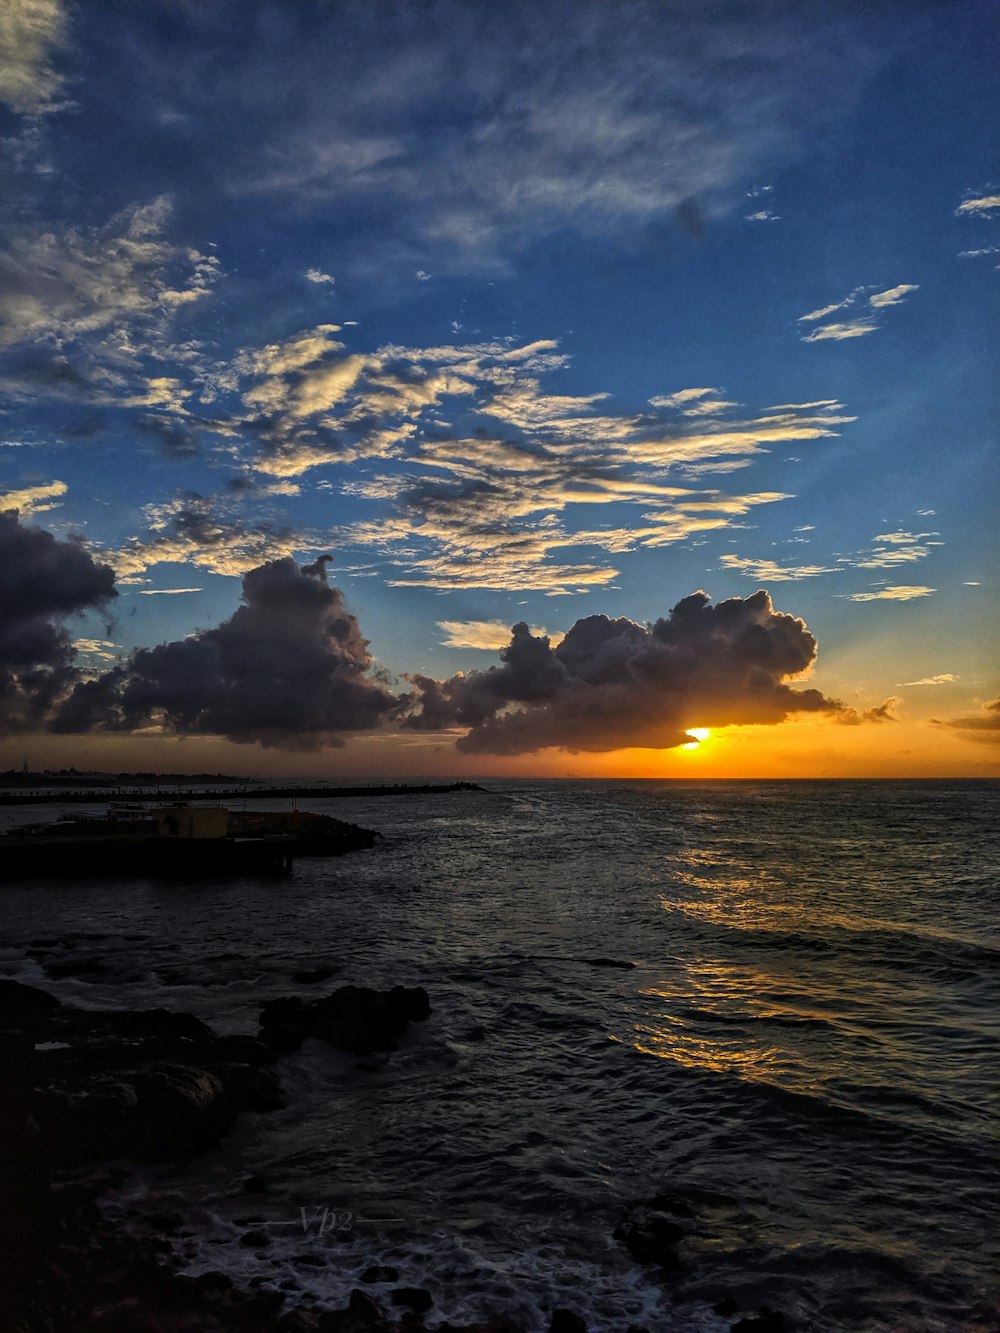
column 58, row 795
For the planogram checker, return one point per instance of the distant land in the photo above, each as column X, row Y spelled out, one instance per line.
column 71, row 777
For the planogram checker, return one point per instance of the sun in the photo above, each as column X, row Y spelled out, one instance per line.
column 697, row 734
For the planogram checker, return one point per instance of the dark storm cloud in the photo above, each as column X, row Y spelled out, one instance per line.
column 614, row 683
column 42, row 581
column 290, row 667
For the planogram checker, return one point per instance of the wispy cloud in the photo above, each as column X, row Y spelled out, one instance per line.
column 769, row 571
column 31, row 32
column 983, row 203
column 166, row 592
column 762, row 215
column 905, row 593
column 488, row 635
column 866, row 302
column 945, row 678
column 319, row 277
column 33, row 499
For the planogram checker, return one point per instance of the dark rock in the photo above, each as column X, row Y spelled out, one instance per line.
column 214, row 1281
column 414, row 1298
column 254, row 1185
column 250, row 1088
column 84, row 967
column 353, row 1018
column 255, row 1240
column 670, row 1203
column 725, row 1307
column 362, row 1308
column 565, row 1321
column 242, row 1050
column 764, row 1321
column 16, row 998
column 377, row 1273
column 281, row 1038
column 309, row 1261
column 166, row 1221
column 182, row 1111
column 650, row 1237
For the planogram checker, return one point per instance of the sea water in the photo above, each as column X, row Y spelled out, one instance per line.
column 802, row 1051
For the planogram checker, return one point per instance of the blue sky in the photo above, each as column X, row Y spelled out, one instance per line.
column 522, row 312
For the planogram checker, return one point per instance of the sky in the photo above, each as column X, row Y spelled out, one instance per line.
column 573, row 389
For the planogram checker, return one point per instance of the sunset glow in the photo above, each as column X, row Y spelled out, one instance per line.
column 375, row 409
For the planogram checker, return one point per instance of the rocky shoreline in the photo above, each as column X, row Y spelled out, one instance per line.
column 87, row 1092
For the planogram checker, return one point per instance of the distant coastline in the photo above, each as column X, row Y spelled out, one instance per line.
column 134, row 787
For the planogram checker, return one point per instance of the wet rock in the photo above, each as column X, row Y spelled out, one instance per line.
column 725, row 1308
column 84, row 967
column 353, row 1018
column 280, row 1038
column 362, row 1308
column 16, row 998
column 254, row 1185
column 379, row 1273
column 242, row 1050
column 565, row 1321
column 651, row 1237
column 250, row 1088
column 213, row 1281
column 414, row 1298
column 255, row 1240
column 309, row 1260
column 182, row 1111
column 169, row 1222
column 764, row 1321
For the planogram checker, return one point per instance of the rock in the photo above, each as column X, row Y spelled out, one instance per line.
column 169, row 1222
column 16, row 998
column 377, row 1273
column 353, row 1018
column 254, row 1185
column 250, row 1088
column 565, row 1321
column 182, row 1111
column 213, row 1281
column 414, row 1298
column 651, row 1237
column 764, row 1321
column 362, row 1308
column 255, row 1240
column 281, row 1038
column 242, row 1050
column 84, row 967
column 725, row 1307
column 309, row 1261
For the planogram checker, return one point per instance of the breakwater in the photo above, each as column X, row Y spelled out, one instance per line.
column 244, row 791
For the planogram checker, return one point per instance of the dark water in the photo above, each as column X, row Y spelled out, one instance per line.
column 803, row 1051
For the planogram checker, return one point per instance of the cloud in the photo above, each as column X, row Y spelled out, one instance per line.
column 33, row 499
column 491, row 635
column 984, row 726
column 318, row 276
column 43, row 581
column 854, row 328
column 896, row 594
column 31, row 31
column 986, row 203
column 762, row 215
column 606, row 120
column 207, row 532
column 945, row 678
column 770, row 570
column 883, row 712
column 893, row 296
column 118, row 281
column 289, row 668
column 166, row 592
column 614, row 683
column 867, row 302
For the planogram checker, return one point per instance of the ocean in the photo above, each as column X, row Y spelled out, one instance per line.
column 802, row 1052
